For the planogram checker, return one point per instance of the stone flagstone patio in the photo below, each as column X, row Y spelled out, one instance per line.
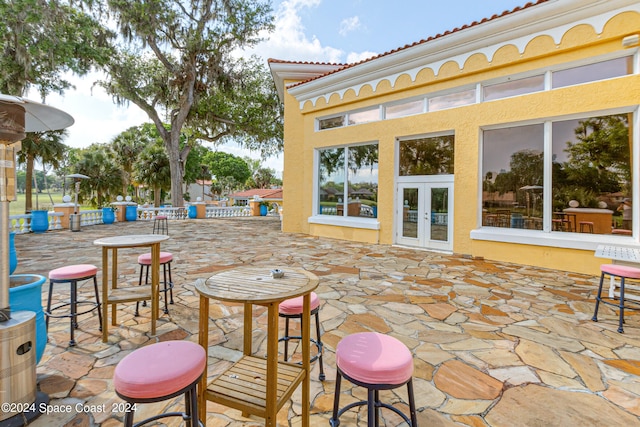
column 494, row 344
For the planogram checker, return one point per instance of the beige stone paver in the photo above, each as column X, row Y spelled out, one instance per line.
column 494, row 344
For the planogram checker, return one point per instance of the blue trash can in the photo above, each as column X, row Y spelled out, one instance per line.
column 39, row 221
column 131, row 213
column 193, row 211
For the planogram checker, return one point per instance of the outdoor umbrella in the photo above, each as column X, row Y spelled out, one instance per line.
column 528, row 188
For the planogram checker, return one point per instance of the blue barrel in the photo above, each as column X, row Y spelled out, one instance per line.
column 13, row 256
column 39, row 221
column 108, row 217
column 131, row 213
column 25, row 293
column 193, row 211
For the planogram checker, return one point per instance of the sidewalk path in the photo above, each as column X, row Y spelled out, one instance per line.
column 494, row 344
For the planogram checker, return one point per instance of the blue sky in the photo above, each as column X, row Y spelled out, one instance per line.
column 351, row 30
column 306, row 30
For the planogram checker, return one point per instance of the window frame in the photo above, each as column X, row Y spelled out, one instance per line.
column 345, row 220
column 547, row 237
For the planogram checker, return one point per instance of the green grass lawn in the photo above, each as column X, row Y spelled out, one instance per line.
column 44, row 202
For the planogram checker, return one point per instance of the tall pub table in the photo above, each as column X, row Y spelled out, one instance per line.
column 112, row 295
column 257, row 385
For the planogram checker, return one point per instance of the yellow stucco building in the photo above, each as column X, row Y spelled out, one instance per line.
column 514, row 138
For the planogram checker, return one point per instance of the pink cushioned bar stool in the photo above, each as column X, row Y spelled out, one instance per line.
column 160, row 225
column 160, row 372
column 622, row 272
column 167, row 285
column 73, row 274
column 376, row 362
column 292, row 309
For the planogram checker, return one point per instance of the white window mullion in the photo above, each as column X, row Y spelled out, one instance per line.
column 547, row 196
column 345, row 206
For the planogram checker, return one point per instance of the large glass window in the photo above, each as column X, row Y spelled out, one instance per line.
column 592, row 176
column 426, row 156
column 512, row 173
column 348, row 181
column 590, row 181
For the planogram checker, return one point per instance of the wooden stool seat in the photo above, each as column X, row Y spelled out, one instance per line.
column 377, row 362
column 159, row 372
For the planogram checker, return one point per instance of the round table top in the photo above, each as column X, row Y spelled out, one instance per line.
column 256, row 285
column 131, row 240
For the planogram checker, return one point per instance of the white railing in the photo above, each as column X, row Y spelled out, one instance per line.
column 92, row 217
column 440, row 218
column 365, row 211
column 227, row 212
column 21, row 224
column 147, row 214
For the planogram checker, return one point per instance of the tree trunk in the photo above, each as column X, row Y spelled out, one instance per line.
column 156, row 196
column 28, row 205
column 177, row 175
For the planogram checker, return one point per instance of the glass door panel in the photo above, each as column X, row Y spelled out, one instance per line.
column 424, row 215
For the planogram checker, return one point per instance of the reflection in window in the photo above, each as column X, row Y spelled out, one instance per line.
column 364, row 116
column 593, row 72
column 451, row 100
column 331, row 122
column 404, row 109
column 427, row 156
column 512, row 171
column 410, row 213
column 354, row 181
column 513, row 88
column 592, row 175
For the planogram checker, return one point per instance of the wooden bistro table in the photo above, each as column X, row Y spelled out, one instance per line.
column 112, row 295
column 257, row 385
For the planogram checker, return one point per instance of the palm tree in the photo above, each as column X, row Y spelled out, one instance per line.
column 153, row 169
column 126, row 147
column 105, row 178
column 47, row 147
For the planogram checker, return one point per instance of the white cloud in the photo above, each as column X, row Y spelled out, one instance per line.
column 360, row 56
column 289, row 42
column 349, row 25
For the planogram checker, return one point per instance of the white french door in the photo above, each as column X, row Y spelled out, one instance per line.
column 424, row 214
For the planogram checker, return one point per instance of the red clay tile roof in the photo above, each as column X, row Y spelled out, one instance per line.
column 437, row 36
column 282, row 61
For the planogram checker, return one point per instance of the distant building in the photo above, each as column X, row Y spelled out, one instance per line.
column 271, row 196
